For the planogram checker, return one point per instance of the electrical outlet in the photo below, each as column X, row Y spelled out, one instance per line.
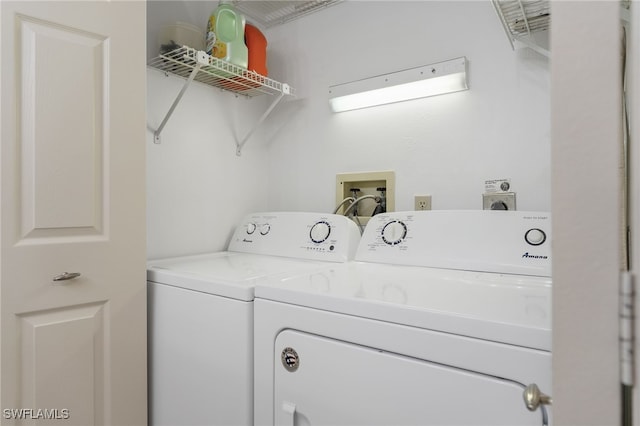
column 422, row 202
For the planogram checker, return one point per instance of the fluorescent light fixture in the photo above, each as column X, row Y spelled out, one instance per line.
column 428, row 80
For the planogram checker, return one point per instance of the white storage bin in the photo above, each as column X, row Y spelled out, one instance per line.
column 182, row 34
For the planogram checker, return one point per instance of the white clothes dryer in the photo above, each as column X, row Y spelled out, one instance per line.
column 201, row 313
column 442, row 319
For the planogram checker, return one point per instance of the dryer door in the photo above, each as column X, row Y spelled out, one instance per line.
column 320, row 381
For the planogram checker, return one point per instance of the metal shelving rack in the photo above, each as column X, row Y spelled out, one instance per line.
column 268, row 14
column 196, row 65
column 522, row 18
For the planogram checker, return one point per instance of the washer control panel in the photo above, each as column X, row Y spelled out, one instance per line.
column 299, row 235
column 479, row 240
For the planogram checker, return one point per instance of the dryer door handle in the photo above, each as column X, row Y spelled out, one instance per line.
column 533, row 398
column 289, row 409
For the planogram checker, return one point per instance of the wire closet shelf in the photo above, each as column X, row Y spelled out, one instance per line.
column 525, row 17
column 522, row 19
column 218, row 73
column 193, row 64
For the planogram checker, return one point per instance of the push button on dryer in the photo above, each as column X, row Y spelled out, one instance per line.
column 535, row 236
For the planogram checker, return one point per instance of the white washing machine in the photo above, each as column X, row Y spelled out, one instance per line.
column 201, row 313
column 444, row 318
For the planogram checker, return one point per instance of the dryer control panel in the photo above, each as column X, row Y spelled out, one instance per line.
column 300, row 235
column 516, row 242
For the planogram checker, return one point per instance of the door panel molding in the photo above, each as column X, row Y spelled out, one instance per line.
column 63, row 135
column 69, row 344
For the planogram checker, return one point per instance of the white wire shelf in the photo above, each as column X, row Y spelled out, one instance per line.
column 218, row 73
column 523, row 18
column 268, row 14
column 526, row 17
column 196, row 65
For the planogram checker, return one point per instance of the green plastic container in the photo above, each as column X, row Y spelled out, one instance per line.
column 225, row 35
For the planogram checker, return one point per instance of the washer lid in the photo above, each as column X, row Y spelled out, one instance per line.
column 513, row 309
column 227, row 274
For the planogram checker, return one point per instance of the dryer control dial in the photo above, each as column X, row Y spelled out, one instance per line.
column 251, row 228
column 264, row 229
column 320, row 231
column 394, row 232
column 535, row 236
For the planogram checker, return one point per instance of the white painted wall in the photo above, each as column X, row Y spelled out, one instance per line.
column 445, row 146
column 197, row 188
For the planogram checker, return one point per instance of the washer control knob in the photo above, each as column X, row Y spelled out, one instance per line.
column 320, row 231
column 264, row 229
column 251, row 228
column 535, row 236
column 394, row 232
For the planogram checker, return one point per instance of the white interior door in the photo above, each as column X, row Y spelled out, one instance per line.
column 72, row 200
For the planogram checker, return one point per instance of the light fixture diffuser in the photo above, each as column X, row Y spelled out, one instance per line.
column 428, row 80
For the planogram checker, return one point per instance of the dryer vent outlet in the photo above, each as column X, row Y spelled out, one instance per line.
column 499, row 201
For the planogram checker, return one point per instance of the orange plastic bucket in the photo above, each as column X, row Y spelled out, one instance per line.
column 257, row 44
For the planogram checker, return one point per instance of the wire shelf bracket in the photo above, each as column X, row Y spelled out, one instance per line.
column 197, row 65
column 240, row 145
column 156, row 134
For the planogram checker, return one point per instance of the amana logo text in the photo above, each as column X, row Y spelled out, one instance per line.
column 533, row 256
